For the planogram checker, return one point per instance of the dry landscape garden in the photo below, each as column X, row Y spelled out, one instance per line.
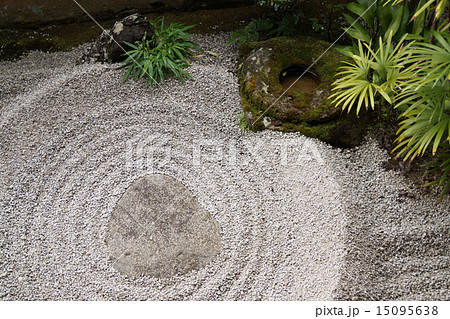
column 225, row 150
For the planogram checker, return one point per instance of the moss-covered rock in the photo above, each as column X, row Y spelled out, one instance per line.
column 266, row 104
column 110, row 45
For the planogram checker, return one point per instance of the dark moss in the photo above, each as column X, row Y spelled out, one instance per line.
column 321, row 132
column 245, row 49
column 351, row 129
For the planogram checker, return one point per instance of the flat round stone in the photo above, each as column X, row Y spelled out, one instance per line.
column 159, row 229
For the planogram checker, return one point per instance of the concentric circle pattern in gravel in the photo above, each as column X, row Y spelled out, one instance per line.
column 297, row 217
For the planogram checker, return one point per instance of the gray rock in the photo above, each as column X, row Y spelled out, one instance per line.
column 110, row 45
column 158, row 228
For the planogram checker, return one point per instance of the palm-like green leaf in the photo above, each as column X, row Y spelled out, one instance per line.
column 430, row 62
column 353, row 85
column 414, row 76
column 427, row 119
column 370, row 72
column 424, row 98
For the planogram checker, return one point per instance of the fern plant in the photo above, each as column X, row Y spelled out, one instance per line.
column 286, row 25
column 256, row 30
column 263, row 29
column 281, row 22
column 165, row 53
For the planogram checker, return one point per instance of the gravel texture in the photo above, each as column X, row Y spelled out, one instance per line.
column 299, row 220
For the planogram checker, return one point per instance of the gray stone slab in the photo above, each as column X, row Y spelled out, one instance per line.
column 159, row 229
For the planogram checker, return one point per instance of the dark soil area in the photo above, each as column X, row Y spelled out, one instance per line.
column 326, row 17
column 414, row 170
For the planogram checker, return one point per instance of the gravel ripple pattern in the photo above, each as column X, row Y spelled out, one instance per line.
column 298, row 218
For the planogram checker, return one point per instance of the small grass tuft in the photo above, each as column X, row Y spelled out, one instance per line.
column 165, row 53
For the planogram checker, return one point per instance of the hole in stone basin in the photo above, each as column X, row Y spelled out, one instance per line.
column 307, row 83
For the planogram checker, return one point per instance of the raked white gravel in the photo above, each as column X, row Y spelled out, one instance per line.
column 299, row 220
